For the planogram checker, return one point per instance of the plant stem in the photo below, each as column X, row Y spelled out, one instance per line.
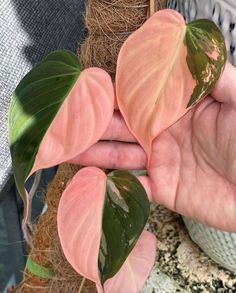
column 152, row 7
column 82, row 285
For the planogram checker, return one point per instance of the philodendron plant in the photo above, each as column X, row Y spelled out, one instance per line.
column 59, row 110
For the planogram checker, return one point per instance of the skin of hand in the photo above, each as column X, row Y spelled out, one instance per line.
column 192, row 170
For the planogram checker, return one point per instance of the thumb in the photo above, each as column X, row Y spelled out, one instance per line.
column 225, row 89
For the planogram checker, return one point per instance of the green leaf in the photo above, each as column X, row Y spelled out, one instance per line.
column 125, row 214
column 39, row 271
column 206, row 56
column 33, row 107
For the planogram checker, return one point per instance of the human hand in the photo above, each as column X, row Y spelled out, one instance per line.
column 193, row 164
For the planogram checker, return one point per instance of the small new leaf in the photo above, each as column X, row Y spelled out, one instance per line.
column 38, row 270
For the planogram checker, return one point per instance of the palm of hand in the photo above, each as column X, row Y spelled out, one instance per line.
column 193, row 165
column 192, row 168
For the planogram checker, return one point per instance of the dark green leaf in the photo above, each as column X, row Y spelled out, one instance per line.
column 33, row 107
column 206, row 56
column 125, row 214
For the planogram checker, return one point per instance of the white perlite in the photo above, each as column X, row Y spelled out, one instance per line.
column 159, row 282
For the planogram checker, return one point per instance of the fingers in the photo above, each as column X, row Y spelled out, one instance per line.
column 113, row 155
column 225, row 89
column 118, row 130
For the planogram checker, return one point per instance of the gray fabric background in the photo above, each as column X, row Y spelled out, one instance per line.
column 29, row 30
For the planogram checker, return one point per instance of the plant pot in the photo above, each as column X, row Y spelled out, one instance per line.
column 220, row 246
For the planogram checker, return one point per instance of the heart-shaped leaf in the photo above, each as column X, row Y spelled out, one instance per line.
column 165, row 67
column 100, row 218
column 56, row 113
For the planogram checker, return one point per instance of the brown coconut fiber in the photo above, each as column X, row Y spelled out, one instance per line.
column 108, row 24
column 46, row 249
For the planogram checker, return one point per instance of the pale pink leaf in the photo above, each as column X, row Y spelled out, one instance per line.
column 79, row 220
column 153, row 81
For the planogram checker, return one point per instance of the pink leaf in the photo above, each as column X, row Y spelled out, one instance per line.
column 153, row 81
column 79, row 221
column 80, row 122
column 136, row 269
